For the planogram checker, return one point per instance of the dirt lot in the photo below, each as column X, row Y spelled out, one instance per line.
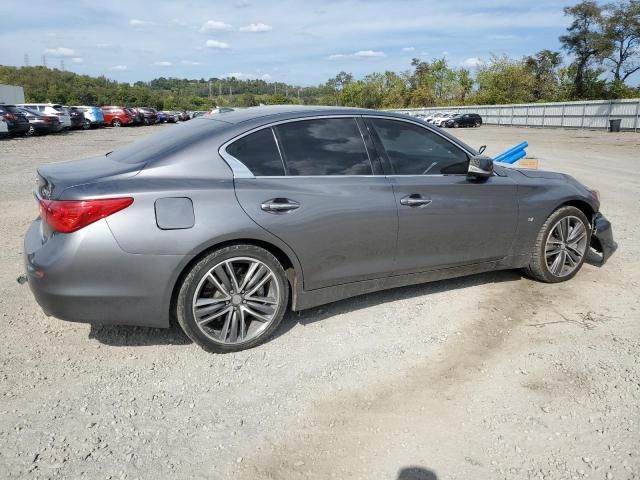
column 488, row 377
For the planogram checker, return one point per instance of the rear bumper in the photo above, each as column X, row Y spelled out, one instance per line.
column 602, row 237
column 86, row 277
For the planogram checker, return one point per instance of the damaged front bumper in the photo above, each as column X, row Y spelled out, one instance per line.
column 602, row 237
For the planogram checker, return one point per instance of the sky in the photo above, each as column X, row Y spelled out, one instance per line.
column 299, row 42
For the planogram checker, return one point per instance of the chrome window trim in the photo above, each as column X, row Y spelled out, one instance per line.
column 241, row 171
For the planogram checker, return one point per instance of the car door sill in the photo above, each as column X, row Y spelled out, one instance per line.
column 311, row 298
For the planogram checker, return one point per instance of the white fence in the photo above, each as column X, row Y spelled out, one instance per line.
column 587, row 114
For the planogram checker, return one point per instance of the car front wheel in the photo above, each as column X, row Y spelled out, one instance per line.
column 233, row 299
column 116, row 123
column 561, row 246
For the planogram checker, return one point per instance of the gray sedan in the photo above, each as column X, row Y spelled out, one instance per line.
column 226, row 222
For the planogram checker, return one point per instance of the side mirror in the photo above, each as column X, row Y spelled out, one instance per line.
column 482, row 149
column 480, row 166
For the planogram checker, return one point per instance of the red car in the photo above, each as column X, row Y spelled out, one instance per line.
column 117, row 116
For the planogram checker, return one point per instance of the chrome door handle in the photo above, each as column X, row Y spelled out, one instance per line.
column 276, row 205
column 415, row 200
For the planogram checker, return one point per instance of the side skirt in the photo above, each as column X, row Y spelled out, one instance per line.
column 312, row 298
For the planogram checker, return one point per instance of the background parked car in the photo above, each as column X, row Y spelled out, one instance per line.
column 149, row 115
column 432, row 116
column 93, row 114
column 117, row 116
column 184, row 116
column 78, row 119
column 443, row 118
column 171, row 117
column 463, row 120
column 51, row 109
column 4, row 129
column 16, row 121
column 40, row 124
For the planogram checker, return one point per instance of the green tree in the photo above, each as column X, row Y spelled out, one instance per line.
column 586, row 41
column 622, row 29
column 504, row 80
column 544, row 66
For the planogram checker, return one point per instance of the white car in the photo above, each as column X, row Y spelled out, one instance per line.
column 431, row 116
column 438, row 121
column 51, row 109
column 4, row 128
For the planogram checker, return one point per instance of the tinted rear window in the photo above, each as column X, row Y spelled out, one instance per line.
column 259, row 153
column 10, row 109
column 330, row 146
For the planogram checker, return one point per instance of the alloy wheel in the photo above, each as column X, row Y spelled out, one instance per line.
column 236, row 300
column 566, row 246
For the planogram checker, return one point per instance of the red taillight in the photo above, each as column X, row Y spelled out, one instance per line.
column 9, row 116
column 47, row 119
column 66, row 216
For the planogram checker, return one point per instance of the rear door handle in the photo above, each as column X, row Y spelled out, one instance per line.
column 277, row 205
column 415, row 200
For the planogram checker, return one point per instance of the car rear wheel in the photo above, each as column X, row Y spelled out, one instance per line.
column 86, row 125
column 233, row 299
column 455, row 125
column 31, row 132
column 561, row 246
column 477, row 124
column 116, row 122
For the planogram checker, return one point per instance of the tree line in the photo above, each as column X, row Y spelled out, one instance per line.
column 602, row 45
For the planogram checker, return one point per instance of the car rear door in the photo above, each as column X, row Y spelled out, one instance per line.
column 313, row 184
column 445, row 218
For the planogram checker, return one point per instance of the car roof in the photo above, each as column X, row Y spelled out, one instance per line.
column 271, row 112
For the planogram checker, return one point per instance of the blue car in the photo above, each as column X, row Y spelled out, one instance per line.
column 93, row 114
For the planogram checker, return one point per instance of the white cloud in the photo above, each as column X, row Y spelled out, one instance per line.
column 248, row 76
column 119, row 68
column 472, row 62
column 256, row 28
column 216, row 44
column 358, row 54
column 163, row 63
column 215, row 26
column 104, row 45
column 189, row 62
column 137, row 23
column 241, row 3
column 77, row 60
column 369, row 54
column 408, row 49
column 445, row 54
column 60, row 52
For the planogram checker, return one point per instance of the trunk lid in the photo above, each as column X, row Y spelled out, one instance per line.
column 55, row 178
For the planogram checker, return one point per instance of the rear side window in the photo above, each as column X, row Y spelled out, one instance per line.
column 414, row 150
column 259, row 153
column 331, row 146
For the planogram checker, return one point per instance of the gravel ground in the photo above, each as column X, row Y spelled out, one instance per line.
column 493, row 376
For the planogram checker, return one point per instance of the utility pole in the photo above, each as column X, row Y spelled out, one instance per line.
column 44, row 61
column 26, row 59
column 62, row 65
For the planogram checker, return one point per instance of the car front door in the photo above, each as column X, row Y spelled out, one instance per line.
column 445, row 218
column 313, row 186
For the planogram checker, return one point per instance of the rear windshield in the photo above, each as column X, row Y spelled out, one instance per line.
column 168, row 141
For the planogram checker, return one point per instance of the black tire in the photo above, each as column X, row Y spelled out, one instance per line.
column 455, row 125
column 538, row 268
column 190, row 282
column 116, row 122
column 86, row 125
column 31, row 132
column 477, row 124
